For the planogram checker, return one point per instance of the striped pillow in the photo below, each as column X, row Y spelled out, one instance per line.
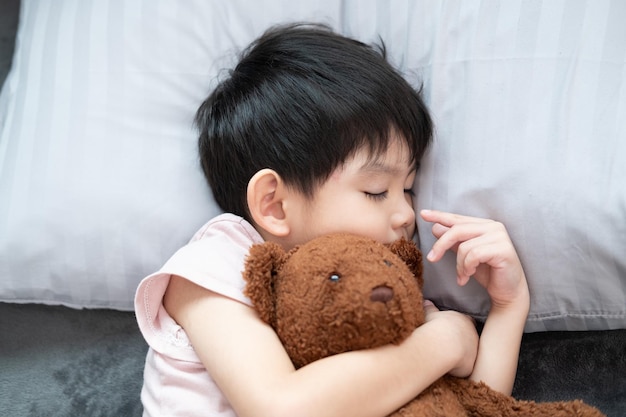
column 99, row 177
column 530, row 105
column 100, row 184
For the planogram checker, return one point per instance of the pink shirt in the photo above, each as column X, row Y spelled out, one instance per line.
column 175, row 381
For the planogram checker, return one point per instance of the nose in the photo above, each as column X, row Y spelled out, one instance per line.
column 404, row 215
column 382, row 293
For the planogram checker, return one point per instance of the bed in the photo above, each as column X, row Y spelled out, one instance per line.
column 100, row 184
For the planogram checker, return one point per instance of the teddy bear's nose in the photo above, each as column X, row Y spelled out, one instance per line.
column 381, row 293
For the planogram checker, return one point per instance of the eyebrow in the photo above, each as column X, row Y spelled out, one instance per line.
column 376, row 166
column 379, row 167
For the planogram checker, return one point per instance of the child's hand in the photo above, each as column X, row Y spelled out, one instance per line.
column 484, row 251
column 462, row 329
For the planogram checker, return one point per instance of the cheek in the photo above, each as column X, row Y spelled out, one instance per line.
column 343, row 210
column 366, row 223
column 362, row 222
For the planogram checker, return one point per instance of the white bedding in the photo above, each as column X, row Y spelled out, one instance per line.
column 100, row 183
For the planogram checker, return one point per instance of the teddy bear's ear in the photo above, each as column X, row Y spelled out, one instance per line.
column 262, row 264
column 408, row 251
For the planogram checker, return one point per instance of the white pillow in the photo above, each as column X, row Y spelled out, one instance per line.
column 529, row 100
column 99, row 178
column 100, row 183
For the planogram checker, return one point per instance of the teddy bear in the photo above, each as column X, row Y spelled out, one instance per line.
column 343, row 292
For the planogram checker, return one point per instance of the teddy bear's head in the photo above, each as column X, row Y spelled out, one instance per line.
column 336, row 293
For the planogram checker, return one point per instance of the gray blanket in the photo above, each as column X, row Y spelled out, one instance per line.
column 56, row 361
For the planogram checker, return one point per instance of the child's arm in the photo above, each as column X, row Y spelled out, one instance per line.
column 249, row 364
column 485, row 251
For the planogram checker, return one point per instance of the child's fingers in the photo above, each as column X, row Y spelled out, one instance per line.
column 459, row 234
column 429, row 309
column 449, row 219
column 482, row 250
column 430, row 306
column 442, row 223
column 439, row 229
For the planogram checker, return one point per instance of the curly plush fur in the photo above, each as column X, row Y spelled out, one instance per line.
column 343, row 292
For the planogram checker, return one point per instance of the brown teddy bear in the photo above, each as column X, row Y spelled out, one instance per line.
column 343, row 292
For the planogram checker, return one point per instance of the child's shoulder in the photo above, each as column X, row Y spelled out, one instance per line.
column 228, row 225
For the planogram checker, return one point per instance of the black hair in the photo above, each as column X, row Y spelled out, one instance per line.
column 301, row 100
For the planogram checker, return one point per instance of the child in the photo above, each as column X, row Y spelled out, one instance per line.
column 314, row 133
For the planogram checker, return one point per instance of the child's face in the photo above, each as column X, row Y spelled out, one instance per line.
column 367, row 196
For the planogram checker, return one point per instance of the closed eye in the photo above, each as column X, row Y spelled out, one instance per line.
column 377, row 196
column 410, row 192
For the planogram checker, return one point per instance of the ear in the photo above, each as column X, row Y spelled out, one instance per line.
column 411, row 255
column 262, row 264
column 265, row 195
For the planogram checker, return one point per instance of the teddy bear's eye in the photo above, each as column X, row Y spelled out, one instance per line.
column 334, row 277
column 388, row 263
